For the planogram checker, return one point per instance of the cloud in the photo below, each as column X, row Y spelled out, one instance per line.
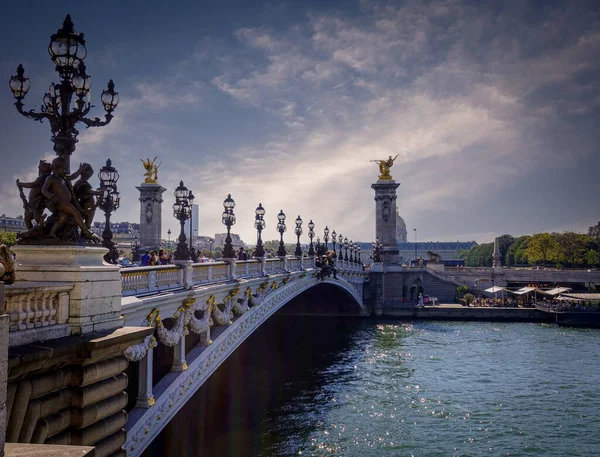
column 487, row 107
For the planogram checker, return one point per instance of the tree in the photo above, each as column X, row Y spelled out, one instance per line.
column 516, row 253
column 480, row 256
column 8, row 238
column 504, row 244
column 592, row 257
column 572, row 247
column 542, row 247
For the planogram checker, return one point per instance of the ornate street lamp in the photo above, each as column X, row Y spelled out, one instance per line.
column 358, row 259
column 182, row 212
column 326, row 236
column 341, row 244
column 298, row 232
column 377, row 250
column 169, row 239
column 333, row 240
column 109, row 202
column 135, row 247
column 346, row 249
column 260, row 225
column 281, row 228
column 228, row 219
column 68, row 51
column 311, row 234
column 351, row 248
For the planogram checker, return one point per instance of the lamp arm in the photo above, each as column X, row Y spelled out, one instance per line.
column 31, row 114
column 97, row 122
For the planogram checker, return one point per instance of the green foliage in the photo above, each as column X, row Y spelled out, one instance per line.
column 542, row 248
column 592, row 257
column 273, row 246
column 8, row 238
column 480, row 256
column 468, row 299
column 460, row 293
column 504, row 244
column 572, row 247
column 516, row 253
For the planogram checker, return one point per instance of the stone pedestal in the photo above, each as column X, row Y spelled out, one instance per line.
column 94, row 300
column 385, row 218
column 150, row 215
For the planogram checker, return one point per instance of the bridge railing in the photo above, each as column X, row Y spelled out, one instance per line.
column 148, row 280
column 141, row 280
column 38, row 311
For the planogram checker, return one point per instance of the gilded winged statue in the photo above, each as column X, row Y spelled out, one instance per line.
column 384, row 167
column 151, row 170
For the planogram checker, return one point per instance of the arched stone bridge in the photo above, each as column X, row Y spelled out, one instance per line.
column 202, row 314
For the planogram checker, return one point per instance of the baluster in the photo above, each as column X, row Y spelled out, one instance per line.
column 29, row 312
column 152, row 280
column 145, row 398
column 36, row 309
column 46, row 305
column 53, row 305
column 13, row 308
column 179, row 363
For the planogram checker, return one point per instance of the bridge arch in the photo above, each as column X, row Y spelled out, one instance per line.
column 145, row 424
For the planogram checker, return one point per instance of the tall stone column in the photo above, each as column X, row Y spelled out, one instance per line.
column 150, row 215
column 385, row 218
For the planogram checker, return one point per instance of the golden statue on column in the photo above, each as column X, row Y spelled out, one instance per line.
column 384, row 167
column 151, row 170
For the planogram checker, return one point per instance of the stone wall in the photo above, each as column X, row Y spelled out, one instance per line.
column 71, row 391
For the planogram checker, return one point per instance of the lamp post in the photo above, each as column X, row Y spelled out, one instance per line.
column 182, row 211
column 341, row 244
column 260, row 225
column 298, row 232
column 333, row 240
column 68, row 51
column 210, row 243
column 228, row 219
column 109, row 202
column 281, row 228
column 377, row 250
column 190, row 202
column 311, row 234
column 326, row 236
column 415, row 244
column 358, row 259
column 346, row 249
column 169, row 239
column 135, row 248
column 352, row 252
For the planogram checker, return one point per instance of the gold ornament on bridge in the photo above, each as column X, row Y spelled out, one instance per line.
column 384, row 167
column 151, row 170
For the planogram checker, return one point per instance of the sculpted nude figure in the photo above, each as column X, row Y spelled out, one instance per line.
column 34, row 207
column 57, row 190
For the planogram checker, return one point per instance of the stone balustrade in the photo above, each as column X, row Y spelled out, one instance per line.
column 38, row 311
column 149, row 280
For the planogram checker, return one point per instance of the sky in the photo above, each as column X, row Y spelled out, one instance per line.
column 492, row 107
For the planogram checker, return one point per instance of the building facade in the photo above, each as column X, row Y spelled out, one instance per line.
column 12, row 224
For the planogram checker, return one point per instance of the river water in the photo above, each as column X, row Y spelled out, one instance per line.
column 320, row 386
